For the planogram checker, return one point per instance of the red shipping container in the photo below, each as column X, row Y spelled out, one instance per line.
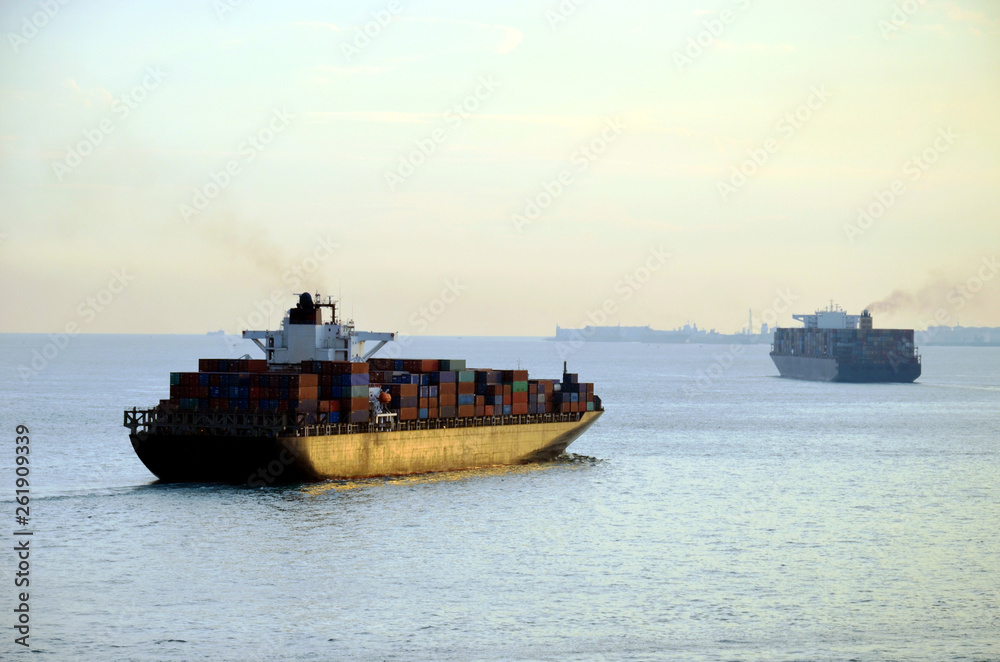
column 519, row 408
column 519, row 398
column 487, row 410
column 447, row 399
column 432, row 412
column 466, row 388
column 408, row 414
column 466, row 411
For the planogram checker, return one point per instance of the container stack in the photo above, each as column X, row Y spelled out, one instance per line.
column 241, row 391
column 340, row 391
column 573, row 396
column 447, row 389
column 342, row 395
column 870, row 347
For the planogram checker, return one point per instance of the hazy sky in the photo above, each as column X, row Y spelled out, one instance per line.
column 465, row 168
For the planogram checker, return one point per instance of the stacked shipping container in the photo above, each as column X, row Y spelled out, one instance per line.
column 338, row 391
column 873, row 346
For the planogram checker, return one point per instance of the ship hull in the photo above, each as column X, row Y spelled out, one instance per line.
column 261, row 461
column 830, row 370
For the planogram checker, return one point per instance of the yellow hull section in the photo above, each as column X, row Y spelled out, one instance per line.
column 368, row 454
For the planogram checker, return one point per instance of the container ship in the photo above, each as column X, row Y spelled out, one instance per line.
column 318, row 407
column 836, row 347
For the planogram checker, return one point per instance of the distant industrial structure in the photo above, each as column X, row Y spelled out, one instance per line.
column 969, row 336
column 689, row 333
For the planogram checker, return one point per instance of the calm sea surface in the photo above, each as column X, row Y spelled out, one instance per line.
column 732, row 517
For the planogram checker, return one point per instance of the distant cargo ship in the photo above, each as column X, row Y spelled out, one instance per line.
column 320, row 407
column 836, row 347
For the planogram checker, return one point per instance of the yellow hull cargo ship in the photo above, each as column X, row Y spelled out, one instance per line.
column 320, row 407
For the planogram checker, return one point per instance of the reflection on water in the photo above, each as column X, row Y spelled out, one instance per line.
column 564, row 460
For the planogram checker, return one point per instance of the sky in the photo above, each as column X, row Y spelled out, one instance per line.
column 454, row 168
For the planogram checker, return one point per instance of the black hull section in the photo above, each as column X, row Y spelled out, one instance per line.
column 829, row 370
column 210, row 458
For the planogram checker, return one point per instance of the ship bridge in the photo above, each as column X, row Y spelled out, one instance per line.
column 303, row 336
column 833, row 317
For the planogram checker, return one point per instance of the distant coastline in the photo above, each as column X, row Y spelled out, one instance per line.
column 688, row 334
column 939, row 336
